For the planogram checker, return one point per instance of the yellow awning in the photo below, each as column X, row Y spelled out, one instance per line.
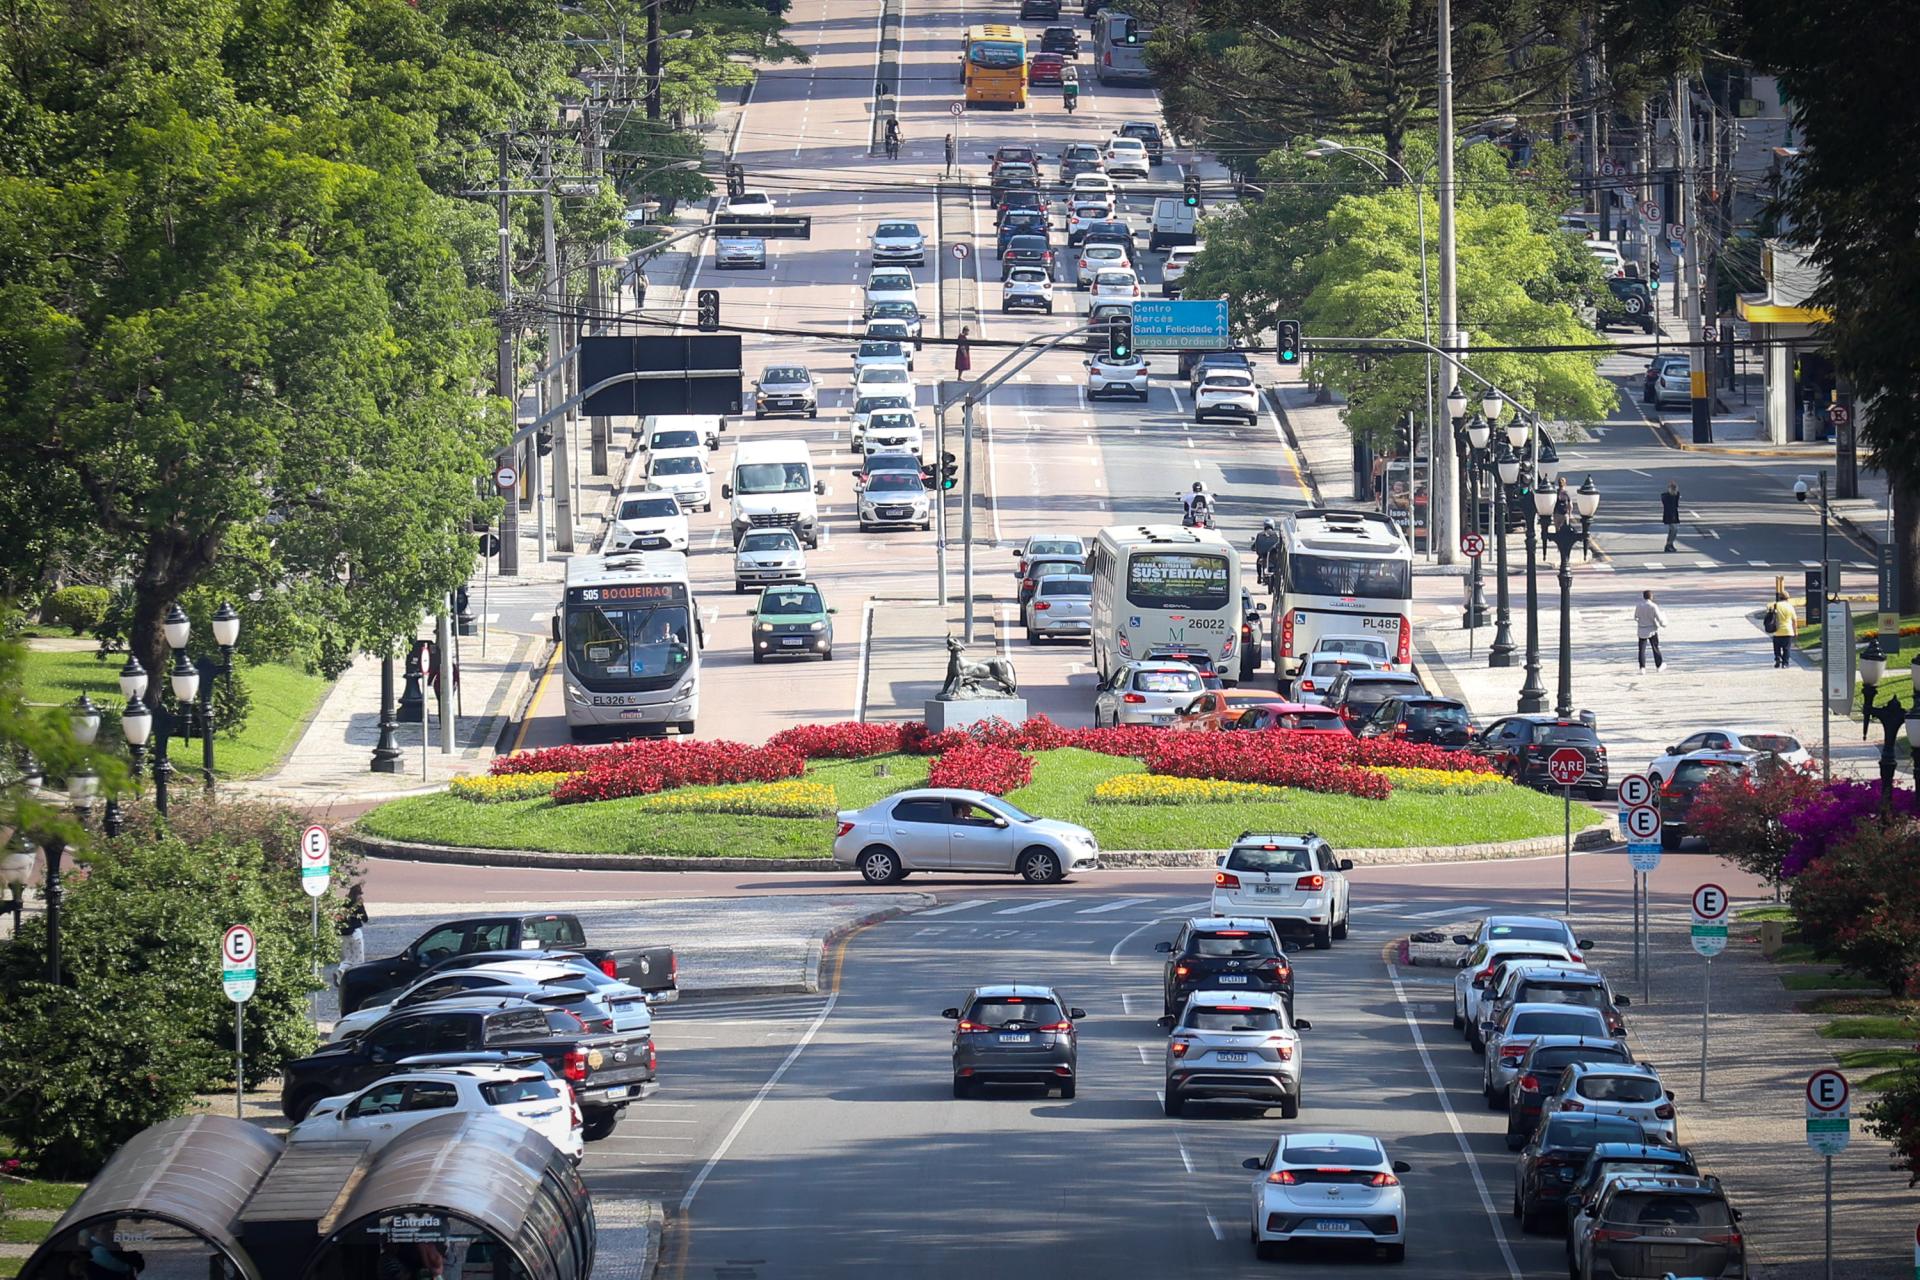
column 1761, row 312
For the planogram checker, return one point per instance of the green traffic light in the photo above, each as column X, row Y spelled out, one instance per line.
column 948, row 482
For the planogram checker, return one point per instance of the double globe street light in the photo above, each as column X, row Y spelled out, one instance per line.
column 1470, row 439
column 1890, row 716
column 1563, row 535
column 192, row 678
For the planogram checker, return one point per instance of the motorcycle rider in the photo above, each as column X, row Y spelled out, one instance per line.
column 1199, row 506
column 1070, row 89
column 1265, row 543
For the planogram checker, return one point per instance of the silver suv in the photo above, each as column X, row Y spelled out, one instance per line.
column 1235, row 1045
column 1014, row 1034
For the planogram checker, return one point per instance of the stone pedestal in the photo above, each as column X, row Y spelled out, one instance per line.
column 942, row 716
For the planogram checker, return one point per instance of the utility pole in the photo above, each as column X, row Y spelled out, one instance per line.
column 504, row 382
column 653, row 59
column 597, row 426
column 556, row 381
column 1689, row 266
column 1443, row 507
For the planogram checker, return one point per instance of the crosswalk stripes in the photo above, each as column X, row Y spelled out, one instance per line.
column 1374, row 908
column 1461, row 912
column 950, row 908
column 1122, row 905
column 1025, row 907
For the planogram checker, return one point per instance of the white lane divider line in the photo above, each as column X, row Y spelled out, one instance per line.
column 1219, row 1232
column 1122, row 905
column 950, row 909
column 1185, row 1159
column 1461, row 913
column 1146, row 1056
column 1376, row 907
column 1494, row 1218
column 1025, row 907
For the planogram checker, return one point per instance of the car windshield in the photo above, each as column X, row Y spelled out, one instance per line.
column 784, row 374
column 890, row 283
column 1014, row 1011
column 1428, row 715
column 880, row 347
column 1620, row 1089
column 1567, row 1132
column 1236, row 381
column 1115, row 279
column 1178, row 580
column 1244, row 859
column 769, row 540
column 1308, row 720
column 1236, row 1017
column 1549, row 1062
column 648, row 508
column 643, row 646
column 1665, row 1210
column 1544, row 1023
column 893, row 482
column 1353, row 577
column 675, row 467
column 873, row 404
column 1049, row 568
column 1053, row 547
column 1054, row 588
column 893, row 230
column 675, row 440
column 1187, row 681
column 1328, row 1154
column 891, row 420
column 892, row 331
column 1027, row 244
column 883, row 375
column 1029, row 275
column 1125, row 144
column 897, row 310
column 1543, row 932
column 501, row 1093
column 1106, row 252
column 772, row 477
column 1360, row 646
column 1574, row 734
column 792, row 600
column 1228, row 944
column 1334, row 666
column 1779, row 743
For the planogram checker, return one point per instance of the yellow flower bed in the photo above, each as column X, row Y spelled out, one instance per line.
column 791, row 798
column 1153, row 788
column 1440, row 781
column 487, row 789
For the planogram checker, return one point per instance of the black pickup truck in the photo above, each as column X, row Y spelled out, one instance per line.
column 652, row 969
column 607, row 1070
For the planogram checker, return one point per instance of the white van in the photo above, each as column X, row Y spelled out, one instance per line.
column 1173, row 223
column 680, row 431
column 773, row 485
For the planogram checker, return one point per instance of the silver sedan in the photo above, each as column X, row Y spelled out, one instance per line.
column 939, row 829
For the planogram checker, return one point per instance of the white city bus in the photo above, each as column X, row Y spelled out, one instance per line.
column 630, row 641
column 1158, row 587
column 1340, row 572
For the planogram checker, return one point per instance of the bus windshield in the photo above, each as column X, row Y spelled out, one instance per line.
column 638, row 647
column 1177, row 580
column 770, row 477
column 1358, row 577
column 997, row 55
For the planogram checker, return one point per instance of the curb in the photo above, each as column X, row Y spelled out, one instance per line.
column 1592, row 838
column 1293, row 442
column 886, row 77
column 1673, row 441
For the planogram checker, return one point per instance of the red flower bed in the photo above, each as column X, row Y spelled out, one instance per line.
column 1260, row 757
column 609, row 782
column 646, row 765
column 847, row 740
column 982, row 767
column 1120, row 740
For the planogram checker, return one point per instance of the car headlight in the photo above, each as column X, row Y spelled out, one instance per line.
column 816, row 626
column 765, row 626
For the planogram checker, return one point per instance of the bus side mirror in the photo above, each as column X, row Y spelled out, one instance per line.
column 555, row 620
column 820, row 487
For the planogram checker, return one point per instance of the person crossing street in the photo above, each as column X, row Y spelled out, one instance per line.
column 1670, row 512
column 1648, row 619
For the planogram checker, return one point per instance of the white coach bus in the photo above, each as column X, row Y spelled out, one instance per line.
column 1164, row 587
column 1340, row 572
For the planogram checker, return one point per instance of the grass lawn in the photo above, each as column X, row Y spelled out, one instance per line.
column 1882, row 1064
column 1062, row 782
column 283, row 700
column 1871, row 1027
column 53, row 1197
column 1834, row 981
column 1772, row 911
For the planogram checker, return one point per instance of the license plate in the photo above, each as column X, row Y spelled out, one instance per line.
column 1269, row 888
column 1230, row 1056
column 1231, row 978
column 1020, row 1039
column 1335, row 1224
column 1667, row 1253
column 792, row 642
column 617, row 1092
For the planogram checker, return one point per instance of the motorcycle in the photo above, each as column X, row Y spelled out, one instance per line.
column 1197, row 515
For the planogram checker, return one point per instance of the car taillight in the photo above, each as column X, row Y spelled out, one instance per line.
column 1571, row 1105
column 1058, row 1028
column 1483, row 974
column 1286, row 635
column 1601, row 750
column 673, row 958
column 575, row 1066
column 1310, row 882
column 1225, row 880
column 965, row 1027
column 1108, row 58
column 1400, row 728
column 1669, row 790
column 1283, row 1048
column 844, row 828
column 1306, row 685
column 1180, row 1047
column 1272, row 964
column 607, row 967
column 1181, row 970
column 653, row 1057
column 1726, row 1239
column 1530, row 1083
column 1664, row 1111
column 577, row 1018
column 1385, row 1180
column 1133, row 697
column 1282, row 1177
column 1026, row 584
column 1041, row 606
column 1610, row 1235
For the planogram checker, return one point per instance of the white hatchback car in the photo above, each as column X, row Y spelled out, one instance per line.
column 1127, row 156
column 1093, row 184
column 648, row 520
column 894, row 431
column 683, row 473
column 1294, row 882
column 768, row 555
column 1084, row 211
column 1784, row 746
column 1178, row 260
column 1028, row 287
column 883, row 379
column 890, row 284
column 1147, row 693
column 1115, row 284
column 1116, row 377
column 873, row 352
column 1095, row 258
column 1328, row 1186
column 387, row 1108
column 1472, row 978
column 1226, row 394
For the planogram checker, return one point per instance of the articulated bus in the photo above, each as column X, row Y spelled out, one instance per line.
column 993, row 65
column 631, row 641
column 1159, row 587
column 1341, row 573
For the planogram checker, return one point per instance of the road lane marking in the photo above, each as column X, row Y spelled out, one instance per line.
column 1025, row 907
column 1113, row 956
column 1376, row 907
column 1494, row 1219
column 1146, row 1056
column 1185, row 1159
column 1461, row 912
column 949, row 910
column 1121, row 905
column 1219, row 1233
column 860, row 669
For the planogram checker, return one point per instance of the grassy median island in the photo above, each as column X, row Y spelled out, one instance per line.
column 1062, row 782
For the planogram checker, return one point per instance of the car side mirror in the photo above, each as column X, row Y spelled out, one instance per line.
column 1253, row 1162
column 833, row 610
column 1673, row 751
column 1076, row 1014
column 1479, row 984
column 1164, row 1020
column 1669, row 1095
column 1623, row 1001
column 1163, row 946
column 820, row 487
column 1001, row 823
column 1585, row 944
column 1462, row 940
column 1346, row 864
column 1737, row 1214
column 1401, row 1166
column 1302, row 1024
column 950, row 1014
column 726, row 491
column 376, row 1053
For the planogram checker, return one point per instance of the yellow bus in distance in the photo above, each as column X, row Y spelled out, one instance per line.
column 993, row 65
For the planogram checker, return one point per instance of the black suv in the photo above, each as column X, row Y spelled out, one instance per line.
column 1225, row 954
column 1538, row 1075
column 1627, row 302
column 1520, row 746
column 1553, row 1158
column 1149, row 135
column 1025, row 251
column 1423, row 718
column 1677, row 794
column 1061, row 40
column 1047, row 10
column 1661, row 1223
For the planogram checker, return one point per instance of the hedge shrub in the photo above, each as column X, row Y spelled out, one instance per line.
column 77, row 608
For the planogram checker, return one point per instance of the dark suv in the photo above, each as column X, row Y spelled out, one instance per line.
column 1554, row 1156
column 1423, row 718
column 1014, row 1034
column 1538, row 1075
column 1627, row 302
column 1026, row 251
column 1520, row 747
column 1661, row 1224
column 1356, row 695
column 1061, row 40
column 1225, row 954
column 1618, row 1157
column 1677, row 793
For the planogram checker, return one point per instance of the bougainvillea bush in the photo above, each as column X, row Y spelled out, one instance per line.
column 1859, row 903
column 1740, row 815
column 1831, row 817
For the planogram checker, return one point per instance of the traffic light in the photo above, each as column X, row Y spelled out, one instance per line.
column 949, row 471
column 543, row 440
column 1120, row 338
column 1193, row 191
column 736, row 182
column 1133, row 32
column 1403, row 436
column 1288, row 342
column 709, row 304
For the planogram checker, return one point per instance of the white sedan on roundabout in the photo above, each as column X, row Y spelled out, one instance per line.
column 949, row 829
column 1328, row 1188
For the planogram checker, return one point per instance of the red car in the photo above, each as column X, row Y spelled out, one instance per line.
column 1046, row 68
column 1291, row 717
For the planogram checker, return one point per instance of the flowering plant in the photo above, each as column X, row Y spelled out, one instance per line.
column 793, row 798
column 977, row 767
column 1831, row 817
column 501, row 787
column 1260, row 757
column 1153, row 788
column 847, row 740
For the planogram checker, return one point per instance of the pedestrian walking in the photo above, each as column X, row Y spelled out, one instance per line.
column 1670, row 512
column 1648, row 619
column 351, row 925
column 1783, row 625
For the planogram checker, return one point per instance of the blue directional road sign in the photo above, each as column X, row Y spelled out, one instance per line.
column 1180, row 324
